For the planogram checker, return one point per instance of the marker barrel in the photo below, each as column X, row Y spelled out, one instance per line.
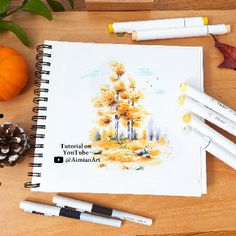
column 56, row 211
column 184, row 32
column 100, row 220
column 131, row 217
column 212, row 147
column 90, row 207
column 196, row 123
column 208, row 101
column 121, row 27
column 208, row 114
column 74, row 203
column 40, row 208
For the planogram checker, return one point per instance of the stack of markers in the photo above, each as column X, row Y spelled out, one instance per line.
column 203, row 106
column 80, row 210
column 168, row 28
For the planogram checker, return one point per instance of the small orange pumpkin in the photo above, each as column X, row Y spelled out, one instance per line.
column 14, row 73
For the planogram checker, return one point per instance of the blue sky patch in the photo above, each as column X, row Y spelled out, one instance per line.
column 144, row 71
column 90, row 74
column 159, row 91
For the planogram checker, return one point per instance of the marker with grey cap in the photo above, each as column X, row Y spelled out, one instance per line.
column 48, row 210
column 90, row 207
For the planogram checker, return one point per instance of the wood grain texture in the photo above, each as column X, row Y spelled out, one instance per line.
column 119, row 5
column 215, row 211
column 168, row 4
column 195, row 4
column 222, row 233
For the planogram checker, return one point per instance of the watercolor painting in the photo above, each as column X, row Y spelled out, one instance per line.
column 125, row 133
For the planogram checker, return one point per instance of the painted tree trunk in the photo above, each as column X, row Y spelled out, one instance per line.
column 117, row 127
column 129, row 130
column 132, row 125
column 132, row 130
column 117, row 118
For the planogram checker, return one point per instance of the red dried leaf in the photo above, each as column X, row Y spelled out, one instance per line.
column 229, row 53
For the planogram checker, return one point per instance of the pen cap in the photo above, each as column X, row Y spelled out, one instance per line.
column 193, row 133
column 195, row 21
column 40, row 208
column 218, row 29
column 69, row 202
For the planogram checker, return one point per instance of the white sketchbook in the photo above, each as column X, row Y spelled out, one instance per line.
column 112, row 122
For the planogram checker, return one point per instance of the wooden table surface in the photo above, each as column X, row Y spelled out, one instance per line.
column 168, row 4
column 215, row 211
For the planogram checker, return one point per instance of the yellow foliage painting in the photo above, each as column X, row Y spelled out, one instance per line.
column 120, row 137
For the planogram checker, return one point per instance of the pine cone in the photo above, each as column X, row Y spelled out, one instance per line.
column 13, row 143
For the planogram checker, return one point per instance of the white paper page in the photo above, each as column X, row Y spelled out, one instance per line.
column 134, row 130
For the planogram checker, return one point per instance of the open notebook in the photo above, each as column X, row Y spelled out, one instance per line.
column 112, row 123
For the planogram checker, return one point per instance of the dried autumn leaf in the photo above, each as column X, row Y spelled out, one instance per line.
column 229, row 53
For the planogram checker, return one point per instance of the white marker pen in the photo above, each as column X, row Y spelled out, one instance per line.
column 211, row 146
column 208, row 114
column 184, row 32
column 208, row 101
column 47, row 210
column 122, row 27
column 90, row 207
column 208, row 131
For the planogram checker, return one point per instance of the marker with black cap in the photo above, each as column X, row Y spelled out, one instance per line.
column 90, row 207
column 48, row 210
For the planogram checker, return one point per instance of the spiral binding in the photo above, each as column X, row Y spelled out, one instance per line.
column 40, row 92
